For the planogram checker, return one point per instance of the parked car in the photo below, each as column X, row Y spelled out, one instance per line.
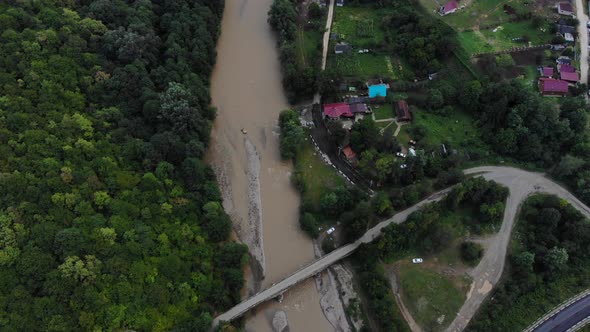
column 401, row 155
column 417, row 260
column 330, row 230
column 402, row 166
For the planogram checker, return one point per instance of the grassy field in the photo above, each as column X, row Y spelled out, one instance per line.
column 432, row 298
column 383, row 112
column 478, row 12
column 490, row 41
column 457, row 129
column 322, row 179
column 307, row 47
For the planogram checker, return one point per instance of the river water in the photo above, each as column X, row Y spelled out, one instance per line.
column 246, row 89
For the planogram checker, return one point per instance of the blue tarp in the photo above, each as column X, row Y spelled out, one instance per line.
column 379, row 90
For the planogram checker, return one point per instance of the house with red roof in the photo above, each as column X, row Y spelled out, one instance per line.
column 349, row 155
column 570, row 77
column 565, row 8
column 546, row 71
column 448, row 8
column 403, row 111
column 337, row 110
column 553, row 87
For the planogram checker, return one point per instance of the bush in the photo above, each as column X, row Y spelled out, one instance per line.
column 292, row 134
column 309, row 224
column 471, row 253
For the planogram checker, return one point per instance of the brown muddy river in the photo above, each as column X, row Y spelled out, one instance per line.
column 247, row 91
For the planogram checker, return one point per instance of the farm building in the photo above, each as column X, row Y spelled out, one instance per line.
column 449, row 8
column 565, row 8
column 553, row 87
column 403, row 111
column 378, row 90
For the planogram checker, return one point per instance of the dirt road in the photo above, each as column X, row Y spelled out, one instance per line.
column 487, row 274
column 583, row 36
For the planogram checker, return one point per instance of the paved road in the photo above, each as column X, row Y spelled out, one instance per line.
column 568, row 317
column 520, row 183
column 583, row 36
column 487, row 274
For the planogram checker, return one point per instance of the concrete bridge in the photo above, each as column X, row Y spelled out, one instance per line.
column 320, row 264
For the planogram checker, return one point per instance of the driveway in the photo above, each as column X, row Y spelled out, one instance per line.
column 583, row 36
column 487, row 274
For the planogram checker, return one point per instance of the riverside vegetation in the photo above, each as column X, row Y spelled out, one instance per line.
column 109, row 218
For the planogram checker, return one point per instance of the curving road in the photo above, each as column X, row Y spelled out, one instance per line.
column 521, row 185
column 487, row 274
column 567, row 317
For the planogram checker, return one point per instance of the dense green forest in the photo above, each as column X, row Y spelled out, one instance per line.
column 109, row 219
column 548, row 262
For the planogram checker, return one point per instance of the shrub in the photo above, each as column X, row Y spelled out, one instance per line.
column 471, row 253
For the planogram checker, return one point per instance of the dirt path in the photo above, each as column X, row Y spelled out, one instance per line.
column 583, row 37
column 487, row 274
column 391, row 273
column 325, row 44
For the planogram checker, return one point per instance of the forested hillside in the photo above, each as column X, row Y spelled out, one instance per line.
column 109, row 218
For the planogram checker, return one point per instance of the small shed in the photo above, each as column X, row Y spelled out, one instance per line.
column 546, row 71
column 342, row 48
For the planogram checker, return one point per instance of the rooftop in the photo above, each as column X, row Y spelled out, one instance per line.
column 553, row 85
column 566, row 6
column 548, row 71
column 565, row 68
column 337, row 110
column 570, row 77
column 449, row 6
column 378, row 90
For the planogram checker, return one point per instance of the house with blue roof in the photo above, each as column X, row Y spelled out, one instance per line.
column 378, row 90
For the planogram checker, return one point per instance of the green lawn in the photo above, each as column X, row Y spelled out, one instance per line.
column 383, row 111
column 318, row 177
column 458, row 129
column 479, row 12
column 308, row 43
column 432, row 298
column 490, row 41
column 363, row 65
